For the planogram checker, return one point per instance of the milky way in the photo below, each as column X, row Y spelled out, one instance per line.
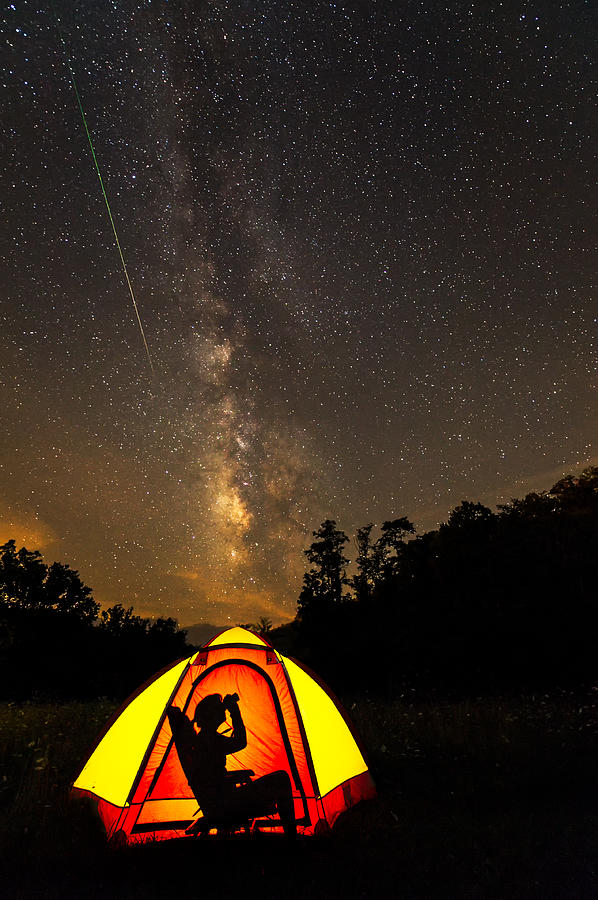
column 362, row 241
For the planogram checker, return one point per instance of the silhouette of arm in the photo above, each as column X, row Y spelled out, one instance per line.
column 182, row 734
column 238, row 739
column 177, row 718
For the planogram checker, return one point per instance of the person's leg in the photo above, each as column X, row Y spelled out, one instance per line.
column 274, row 792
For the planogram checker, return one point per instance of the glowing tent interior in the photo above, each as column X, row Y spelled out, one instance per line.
column 293, row 724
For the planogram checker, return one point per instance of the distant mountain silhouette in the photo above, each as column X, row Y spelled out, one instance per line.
column 202, row 632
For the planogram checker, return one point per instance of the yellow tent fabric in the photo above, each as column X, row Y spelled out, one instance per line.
column 336, row 756
column 112, row 767
column 236, row 635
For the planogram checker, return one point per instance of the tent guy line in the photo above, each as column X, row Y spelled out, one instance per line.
column 104, row 194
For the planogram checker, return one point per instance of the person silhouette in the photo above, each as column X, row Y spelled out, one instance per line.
column 225, row 796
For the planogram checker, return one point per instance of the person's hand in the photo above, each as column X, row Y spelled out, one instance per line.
column 230, row 700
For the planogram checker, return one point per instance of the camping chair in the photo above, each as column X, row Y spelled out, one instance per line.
column 224, row 824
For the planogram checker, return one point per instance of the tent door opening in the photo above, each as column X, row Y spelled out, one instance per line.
column 268, row 745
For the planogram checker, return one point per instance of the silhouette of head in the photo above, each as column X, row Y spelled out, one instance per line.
column 210, row 712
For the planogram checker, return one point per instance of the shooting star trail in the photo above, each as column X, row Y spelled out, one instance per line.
column 104, row 194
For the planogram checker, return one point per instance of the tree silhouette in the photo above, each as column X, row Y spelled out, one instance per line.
column 469, row 515
column 22, row 576
column 489, row 601
column 117, row 620
column 26, row 583
column 52, row 644
column 263, row 625
column 324, row 582
column 379, row 559
column 391, row 544
column 578, row 493
column 66, row 592
column 368, row 564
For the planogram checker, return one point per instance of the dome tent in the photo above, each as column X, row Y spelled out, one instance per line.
column 293, row 723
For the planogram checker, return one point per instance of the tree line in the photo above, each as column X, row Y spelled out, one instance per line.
column 488, row 601
column 55, row 641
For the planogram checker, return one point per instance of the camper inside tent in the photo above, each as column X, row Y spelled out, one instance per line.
column 283, row 742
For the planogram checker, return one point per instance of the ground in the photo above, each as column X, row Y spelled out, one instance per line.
column 489, row 798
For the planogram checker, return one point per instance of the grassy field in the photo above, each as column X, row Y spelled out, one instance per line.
column 482, row 799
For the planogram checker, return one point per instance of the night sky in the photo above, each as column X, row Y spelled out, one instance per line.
column 361, row 238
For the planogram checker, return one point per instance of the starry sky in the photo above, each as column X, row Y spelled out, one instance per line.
column 361, row 237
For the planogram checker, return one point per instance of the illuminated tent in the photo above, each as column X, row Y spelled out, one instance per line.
column 293, row 723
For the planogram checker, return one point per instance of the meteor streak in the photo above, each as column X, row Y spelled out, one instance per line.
column 110, row 216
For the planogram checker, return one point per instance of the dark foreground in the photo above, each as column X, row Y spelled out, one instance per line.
column 485, row 799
